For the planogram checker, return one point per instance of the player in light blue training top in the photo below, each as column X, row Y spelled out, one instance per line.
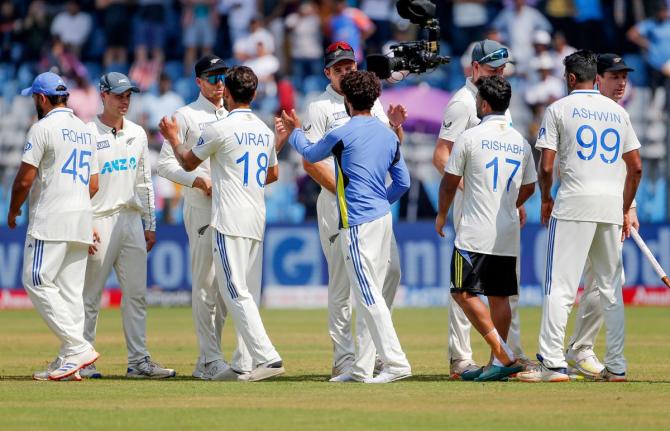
column 365, row 150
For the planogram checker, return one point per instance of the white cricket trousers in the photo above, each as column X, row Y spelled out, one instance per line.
column 589, row 318
column 53, row 276
column 367, row 250
column 339, row 288
column 570, row 244
column 238, row 264
column 207, row 306
column 459, row 325
column 122, row 247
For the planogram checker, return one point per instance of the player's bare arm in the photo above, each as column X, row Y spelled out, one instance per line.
column 441, row 154
column 170, row 131
column 204, row 184
column 150, row 238
column 545, row 178
column 633, row 176
column 525, row 192
column 448, row 187
column 93, row 185
column 20, row 190
column 322, row 173
column 273, row 174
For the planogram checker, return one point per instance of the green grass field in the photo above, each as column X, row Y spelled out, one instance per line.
column 303, row 400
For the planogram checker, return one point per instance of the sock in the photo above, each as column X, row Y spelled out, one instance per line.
column 502, row 354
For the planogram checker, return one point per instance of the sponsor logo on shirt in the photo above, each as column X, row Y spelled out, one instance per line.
column 340, row 115
column 102, row 144
column 27, row 147
column 119, row 165
column 542, row 133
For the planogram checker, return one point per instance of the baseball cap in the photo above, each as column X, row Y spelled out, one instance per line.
column 209, row 63
column 338, row 51
column 543, row 62
column 541, row 37
column 490, row 52
column 47, row 83
column 116, row 83
column 612, row 63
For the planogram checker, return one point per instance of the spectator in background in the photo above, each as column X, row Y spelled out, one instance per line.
column 265, row 65
column 517, row 23
column 545, row 91
column 199, row 21
column 591, row 30
column 61, row 59
column 84, row 99
column 653, row 36
column 240, row 14
column 10, row 24
column 561, row 50
column 223, row 45
column 116, row 24
column 381, row 13
column 469, row 24
column 150, row 31
column 304, row 28
column 352, row 26
column 155, row 107
column 72, row 27
column 35, row 32
column 561, row 15
column 247, row 47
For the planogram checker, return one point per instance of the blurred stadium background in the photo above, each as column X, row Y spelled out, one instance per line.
column 156, row 42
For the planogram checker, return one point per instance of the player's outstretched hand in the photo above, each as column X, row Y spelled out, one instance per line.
column 397, row 115
column 150, row 238
column 290, row 121
column 11, row 218
column 281, row 132
column 547, row 208
column 204, row 184
column 440, row 221
column 92, row 249
column 522, row 216
column 169, row 128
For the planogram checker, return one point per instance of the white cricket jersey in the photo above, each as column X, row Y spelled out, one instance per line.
column 192, row 120
column 328, row 112
column 61, row 147
column 125, row 172
column 590, row 133
column 241, row 148
column 461, row 112
column 494, row 161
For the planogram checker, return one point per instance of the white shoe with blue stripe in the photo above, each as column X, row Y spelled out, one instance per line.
column 54, row 365
column 73, row 363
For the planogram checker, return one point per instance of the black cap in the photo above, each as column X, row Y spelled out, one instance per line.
column 210, row 63
column 612, row 63
column 116, row 83
column 338, row 51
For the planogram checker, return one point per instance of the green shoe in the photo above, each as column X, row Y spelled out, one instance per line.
column 472, row 375
column 495, row 373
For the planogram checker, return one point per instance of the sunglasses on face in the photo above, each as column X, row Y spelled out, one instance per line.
column 213, row 79
column 498, row 54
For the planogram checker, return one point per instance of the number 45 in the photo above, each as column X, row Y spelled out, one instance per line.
column 494, row 164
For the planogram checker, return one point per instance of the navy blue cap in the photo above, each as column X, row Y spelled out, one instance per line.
column 47, row 83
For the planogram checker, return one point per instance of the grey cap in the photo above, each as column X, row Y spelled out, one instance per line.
column 490, row 52
column 116, row 83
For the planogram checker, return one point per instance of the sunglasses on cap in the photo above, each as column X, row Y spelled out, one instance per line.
column 338, row 45
column 498, row 54
column 213, row 79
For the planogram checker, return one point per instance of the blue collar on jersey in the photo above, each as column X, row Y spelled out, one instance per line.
column 234, row 111
column 585, row 92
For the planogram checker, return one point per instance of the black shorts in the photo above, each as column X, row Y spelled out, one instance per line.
column 483, row 274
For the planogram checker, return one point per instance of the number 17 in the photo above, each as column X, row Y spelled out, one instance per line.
column 494, row 164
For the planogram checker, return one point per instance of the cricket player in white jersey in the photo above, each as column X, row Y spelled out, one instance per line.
column 496, row 165
column 611, row 79
column 243, row 160
column 325, row 114
column 209, row 310
column 60, row 171
column 365, row 152
column 599, row 170
column 124, row 219
column 489, row 58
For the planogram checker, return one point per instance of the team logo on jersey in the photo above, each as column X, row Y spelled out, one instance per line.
column 200, row 142
column 27, row 147
column 130, row 141
column 307, row 127
column 119, row 165
column 446, row 125
column 617, row 60
column 340, row 115
column 543, row 133
column 102, row 144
